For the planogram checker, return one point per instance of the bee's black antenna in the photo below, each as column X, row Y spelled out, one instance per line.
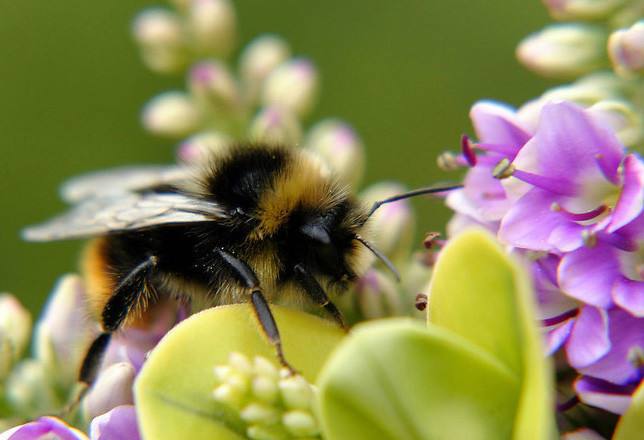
column 414, row 193
column 380, row 255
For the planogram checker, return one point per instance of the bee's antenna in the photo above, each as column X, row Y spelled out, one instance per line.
column 414, row 193
column 380, row 256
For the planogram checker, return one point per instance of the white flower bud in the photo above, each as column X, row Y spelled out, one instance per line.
column 265, row 389
column 64, row 331
column 261, row 432
column 581, row 9
column 259, row 58
column 340, row 146
column 625, row 121
column 300, row 423
column 259, row 413
column 296, row 392
column 160, row 36
column 564, row 50
column 626, row 50
column 240, row 363
column 202, row 145
column 292, row 86
column 229, row 395
column 377, row 295
column 29, row 389
column 213, row 86
column 15, row 328
column 171, row 114
column 276, row 125
column 212, row 25
column 393, row 223
column 264, row 367
column 112, row 388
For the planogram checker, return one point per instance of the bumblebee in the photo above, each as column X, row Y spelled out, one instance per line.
column 252, row 223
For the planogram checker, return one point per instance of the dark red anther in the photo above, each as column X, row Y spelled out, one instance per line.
column 467, row 150
column 430, row 239
column 421, row 301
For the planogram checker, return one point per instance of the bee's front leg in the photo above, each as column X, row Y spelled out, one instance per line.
column 245, row 275
column 312, row 287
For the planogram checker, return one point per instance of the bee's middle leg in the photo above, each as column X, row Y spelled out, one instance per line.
column 118, row 307
column 247, row 277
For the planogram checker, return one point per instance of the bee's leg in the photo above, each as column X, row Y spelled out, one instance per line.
column 247, row 277
column 118, row 307
column 312, row 287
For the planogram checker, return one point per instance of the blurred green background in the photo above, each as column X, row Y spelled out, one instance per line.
column 404, row 73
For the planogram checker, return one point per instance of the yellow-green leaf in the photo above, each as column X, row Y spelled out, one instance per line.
column 481, row 294
column 631, row 424
column 395, row 379
column 174, row 390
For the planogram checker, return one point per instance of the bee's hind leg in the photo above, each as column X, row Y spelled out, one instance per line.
column 118, row 307
column 247, row 277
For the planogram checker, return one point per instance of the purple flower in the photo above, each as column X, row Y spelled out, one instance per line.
column 571, row 174
column 118, row 424
column 45, row 428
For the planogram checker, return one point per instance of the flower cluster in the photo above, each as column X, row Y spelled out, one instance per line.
column 557, row 184
column 272, row 403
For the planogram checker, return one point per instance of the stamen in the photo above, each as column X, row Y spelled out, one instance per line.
column 579, row 217
column 568, row 404
column 506, row 150
column 431, row 239
column 421, row 302
column 448, row 161
column 503, row 169
column 556, row 186
column 559, row 318
column 589, row 238
column 468, row 152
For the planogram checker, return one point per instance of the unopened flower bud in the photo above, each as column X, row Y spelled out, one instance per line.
column 229, row 395
column 200, row 146
column 340, row 146
column 393, row 223
column 261, row 432
column 259, row 413
column 296, row 392
column 213, row 86
column 564, row 50
column 212, row 25
column 265, row 368
column 292, row 86
column 260, row 57
column 581, row 9
column 377, row 295
column 624, row 120
column 64, row 332
column 265, row 389
column 626, row 50
column 112, row 388
column 171, row 114
column 300, row 423
column 15, row 328
column 161, row 38
column 276, row 125
column 29, row 389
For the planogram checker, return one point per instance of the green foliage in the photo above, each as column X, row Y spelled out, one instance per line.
column 174, row 391
column 477, row 371
column 631, row 424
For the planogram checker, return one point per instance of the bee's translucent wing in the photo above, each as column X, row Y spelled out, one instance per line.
column 122, row 180
column 124, row 212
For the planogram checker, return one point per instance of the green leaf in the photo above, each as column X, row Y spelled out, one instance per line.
column 174, row 390
column 631, row 424
column 394, row 379
column 481, row 294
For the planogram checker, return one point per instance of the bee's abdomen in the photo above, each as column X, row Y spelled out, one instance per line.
column 100, row 281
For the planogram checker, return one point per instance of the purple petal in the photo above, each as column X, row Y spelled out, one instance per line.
column 588, row 340
column 603, row 394
column 567, row 237
column 483, row 196
column 50, row 428
column 497, row 123
column 568, row 143
column 631, row 199
column 588, row 274
column 629, row 295
column 530, row 221
column 626, row 333
column 117, row 424
column 557, row 336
